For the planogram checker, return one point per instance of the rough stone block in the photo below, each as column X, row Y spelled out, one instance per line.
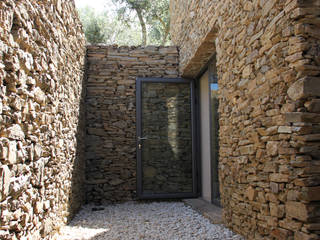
column 297, row 210
column 274, row 187
column 281, row 234
column 305, row 87
column 305, row 236
column 290, row 224
column 248, row 149
column 314, row 106
column 302, row 211
column 310, row 194
column 278, row 177
column 251, row 193
column 285, row 129
column 12, row 152
column 272, row 148
column 14, row 132
column 295, row 117
column 5, row 175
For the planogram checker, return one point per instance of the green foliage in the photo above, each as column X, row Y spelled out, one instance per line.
column 94, row 32
column 159, row 20
column 94, row 26
column 140, row 7
column 153, row 13
column 100, row 28
column 138, row 22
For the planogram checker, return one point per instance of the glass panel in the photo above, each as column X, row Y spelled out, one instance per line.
column 167, row 152
column 214, row 128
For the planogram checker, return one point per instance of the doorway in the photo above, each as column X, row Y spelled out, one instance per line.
column 166, row 147
column 209, row 134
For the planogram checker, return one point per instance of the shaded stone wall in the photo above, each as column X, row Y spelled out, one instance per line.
column 42, row 51
column 111, row 115
column 268, row 68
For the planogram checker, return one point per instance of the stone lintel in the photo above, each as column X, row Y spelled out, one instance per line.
column 197, row 62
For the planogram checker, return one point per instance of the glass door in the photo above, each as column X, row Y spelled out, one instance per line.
column 214, row 131
column 165, row 138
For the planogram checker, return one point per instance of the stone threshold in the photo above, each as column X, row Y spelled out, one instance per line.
column 208, row 210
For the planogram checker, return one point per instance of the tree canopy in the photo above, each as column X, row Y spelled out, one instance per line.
column 152, row 13
column 136, row 22
column 103, row 28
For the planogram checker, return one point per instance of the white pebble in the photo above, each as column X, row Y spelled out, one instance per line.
column 137, row 221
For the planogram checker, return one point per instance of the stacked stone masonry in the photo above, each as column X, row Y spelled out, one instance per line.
column 42, row 50
column 268, row 66
column 111, row 115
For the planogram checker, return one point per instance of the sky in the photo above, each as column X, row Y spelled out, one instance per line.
column 98, row 5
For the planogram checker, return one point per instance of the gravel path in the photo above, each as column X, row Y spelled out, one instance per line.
column 137, row 221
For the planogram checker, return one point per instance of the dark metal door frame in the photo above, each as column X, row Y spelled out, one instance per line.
column 140, row 194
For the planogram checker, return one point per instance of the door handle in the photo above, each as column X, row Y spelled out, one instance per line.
column 142, row 138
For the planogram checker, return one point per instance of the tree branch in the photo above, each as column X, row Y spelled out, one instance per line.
column 143, row 27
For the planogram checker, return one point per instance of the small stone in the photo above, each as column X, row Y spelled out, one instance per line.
column 14, row 132
column 284, row 129
column 272, row 148
column 5, row 175
column 12, row 152
column 247, row 71
column 281, row 233
column 251, row 193
column 46, row 205
column 248, row 6
column 115, row 182
column 278, row 177
column 47, row 227
column 38, row 208
column 24, row 219
column 297, row 210
column 37, row 151
column 305, row 236
column 313, row 107
column 149, row 172
column 3, row 150
column 39, row 96
column 274, row 187
column 248, row 149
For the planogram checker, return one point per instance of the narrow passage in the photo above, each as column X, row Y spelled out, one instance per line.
column 138, row 221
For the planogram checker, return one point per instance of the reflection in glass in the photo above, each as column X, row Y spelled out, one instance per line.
column 167, row 153
column 214, row 128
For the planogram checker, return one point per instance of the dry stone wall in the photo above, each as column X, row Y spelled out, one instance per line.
column 269, row 76
column 42, row 51
column 111, row 115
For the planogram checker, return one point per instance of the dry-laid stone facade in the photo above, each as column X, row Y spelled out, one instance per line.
column 42, row 51
column 268, row 65
column 111, row 115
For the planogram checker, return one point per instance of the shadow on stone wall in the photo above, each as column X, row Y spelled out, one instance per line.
column 77, row 194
